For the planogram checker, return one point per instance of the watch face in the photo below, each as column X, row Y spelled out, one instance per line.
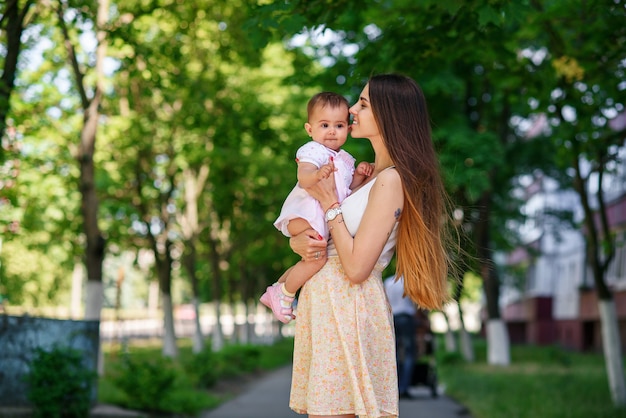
column 332, row 213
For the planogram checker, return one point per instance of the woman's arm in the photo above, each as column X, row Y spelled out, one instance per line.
column 359, row 255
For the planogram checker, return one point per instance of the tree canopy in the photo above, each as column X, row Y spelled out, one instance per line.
column 212, row 94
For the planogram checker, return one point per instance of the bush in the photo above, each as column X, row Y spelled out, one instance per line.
column 450, row 358
column 206, row 367
column 146, row 383
column 238, row 359
column 126, row 385
column 202, row 367
column 59, row 385
column 156, row 385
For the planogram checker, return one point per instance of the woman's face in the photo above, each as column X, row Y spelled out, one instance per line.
column 363, row 123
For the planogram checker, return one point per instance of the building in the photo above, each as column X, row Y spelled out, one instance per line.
column 548, row 293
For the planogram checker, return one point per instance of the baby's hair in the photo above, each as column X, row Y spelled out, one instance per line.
column 326, row 98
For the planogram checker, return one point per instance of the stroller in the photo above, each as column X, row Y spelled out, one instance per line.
column 424, row 370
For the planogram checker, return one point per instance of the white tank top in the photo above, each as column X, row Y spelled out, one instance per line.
column 353, row 209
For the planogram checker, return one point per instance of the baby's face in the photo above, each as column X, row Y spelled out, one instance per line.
column 329, row 126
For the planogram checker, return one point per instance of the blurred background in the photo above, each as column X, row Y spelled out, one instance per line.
column 147, row 146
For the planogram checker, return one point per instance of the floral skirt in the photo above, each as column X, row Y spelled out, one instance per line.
column 344, row 359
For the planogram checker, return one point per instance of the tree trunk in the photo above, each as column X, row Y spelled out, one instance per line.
column 165, row 285
column 250, row 313
column 198, row 337
column 483, row 247
column 497, row 336
column 170, row 349
column 76, row 304
column 612, row 352
column 498, row 350
column 162, row 247
column 189, row 261
column 94, row 295
column 600, row 252
column 163, row 264
column 194, row 184
column 94, row 252
column 449, row 337
column 217, row 336
column 467, row 349
column 95, row 242
column 246, row 289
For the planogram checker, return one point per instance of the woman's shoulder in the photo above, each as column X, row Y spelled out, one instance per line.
column 389, row 176
column 387, row 185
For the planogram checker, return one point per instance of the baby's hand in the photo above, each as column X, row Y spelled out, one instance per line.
column 365, row 169
column 325, row 171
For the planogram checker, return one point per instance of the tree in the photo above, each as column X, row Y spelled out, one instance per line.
column 193, row 185
column 13, row 21
column 90, row 99
column 576, row 51
column 44, row 208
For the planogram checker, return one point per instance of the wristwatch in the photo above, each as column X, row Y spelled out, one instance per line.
column 332, row 213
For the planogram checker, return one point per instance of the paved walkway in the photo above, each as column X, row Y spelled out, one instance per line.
column 269, row 397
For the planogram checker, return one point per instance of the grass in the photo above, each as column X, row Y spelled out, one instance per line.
column 541, row 382
column 138, row 377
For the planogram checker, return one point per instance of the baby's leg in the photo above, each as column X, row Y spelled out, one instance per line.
column 302, row 271
column 297, row 226
column 283, row 277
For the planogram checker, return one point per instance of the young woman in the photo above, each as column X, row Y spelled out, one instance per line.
column 344, row 355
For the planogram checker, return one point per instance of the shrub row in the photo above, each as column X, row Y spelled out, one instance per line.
column 140, row 378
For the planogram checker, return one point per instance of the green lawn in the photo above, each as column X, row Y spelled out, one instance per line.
column 541, row 382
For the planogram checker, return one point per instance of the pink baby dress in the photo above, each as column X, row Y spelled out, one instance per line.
column 299, row 204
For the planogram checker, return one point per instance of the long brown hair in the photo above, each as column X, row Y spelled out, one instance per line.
column 402, row 116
